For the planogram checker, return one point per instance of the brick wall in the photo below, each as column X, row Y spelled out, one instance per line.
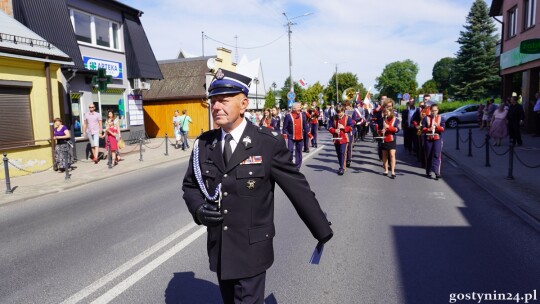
column 7, row 7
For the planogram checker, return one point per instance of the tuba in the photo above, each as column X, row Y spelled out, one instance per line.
column 349, row 94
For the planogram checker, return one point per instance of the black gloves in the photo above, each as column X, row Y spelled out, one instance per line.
column 209, row 215
column 327, row 238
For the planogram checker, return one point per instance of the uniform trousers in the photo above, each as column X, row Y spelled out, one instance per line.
column 243, row 291
column 349, row 147
column 433, row 153
column 296, row 147
column 341, row 151
column 314, row 128
column 306, row 140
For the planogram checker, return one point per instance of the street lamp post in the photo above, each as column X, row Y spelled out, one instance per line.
column 337, row 94
column 256, row 80
column 289, row 23
column 274, row 85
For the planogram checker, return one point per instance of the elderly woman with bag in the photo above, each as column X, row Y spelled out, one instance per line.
column 62, row 160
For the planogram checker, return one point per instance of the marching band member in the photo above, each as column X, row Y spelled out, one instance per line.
column 351, row 134
column 340, row 125
column 294, row 125
column 306, row 111
column 314, row 124
column 275, row 122
column 390, row 126
column 417, row 118
column 432, row 128
column 359, row 116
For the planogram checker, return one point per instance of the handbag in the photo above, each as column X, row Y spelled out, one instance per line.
column 121, row 144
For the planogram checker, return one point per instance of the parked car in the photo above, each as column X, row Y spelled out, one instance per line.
column 461, row 115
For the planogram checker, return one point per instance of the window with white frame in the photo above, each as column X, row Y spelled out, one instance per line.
column 529, row 13
column 512, row 22
column 95, row 30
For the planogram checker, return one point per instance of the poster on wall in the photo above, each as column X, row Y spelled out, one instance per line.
column 135, row 105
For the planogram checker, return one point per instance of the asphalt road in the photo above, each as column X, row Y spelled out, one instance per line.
column 130, row 239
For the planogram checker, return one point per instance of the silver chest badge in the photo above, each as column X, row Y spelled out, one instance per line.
column 250, row 184
column 246, row 141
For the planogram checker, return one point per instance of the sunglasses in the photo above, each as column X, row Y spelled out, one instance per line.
column 91, row 107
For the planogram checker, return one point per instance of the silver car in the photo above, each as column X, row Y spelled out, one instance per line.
column 461, row 115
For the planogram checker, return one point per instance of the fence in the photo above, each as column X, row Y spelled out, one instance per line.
column 68, row 166
column 486, row 145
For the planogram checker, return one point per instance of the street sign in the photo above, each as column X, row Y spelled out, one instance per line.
column 290, row 103
column 291, row 95
column 530, row 46
column 406, row 96
column 399, row 96
column 320, row 96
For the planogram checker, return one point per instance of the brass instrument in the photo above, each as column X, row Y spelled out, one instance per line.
column 349, row 94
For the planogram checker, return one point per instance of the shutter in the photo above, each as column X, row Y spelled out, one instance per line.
column 15, row 116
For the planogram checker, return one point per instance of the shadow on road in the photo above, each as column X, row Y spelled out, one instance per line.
column 185, row 288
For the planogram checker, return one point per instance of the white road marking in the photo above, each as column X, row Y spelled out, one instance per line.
column 126, row 266
column 134, row 278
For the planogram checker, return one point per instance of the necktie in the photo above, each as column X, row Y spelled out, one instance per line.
column 227, row 150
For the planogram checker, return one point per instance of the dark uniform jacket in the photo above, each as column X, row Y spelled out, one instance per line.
column 241, row 246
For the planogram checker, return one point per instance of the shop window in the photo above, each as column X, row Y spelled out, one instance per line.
column 529, row 13
column 112, row 101
column 95, row 30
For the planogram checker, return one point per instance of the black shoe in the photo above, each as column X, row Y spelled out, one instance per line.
column 437, row 177
column 428, row 175
column 341, row 171
column 348, row 164
column 385, row 173
column 393, row 176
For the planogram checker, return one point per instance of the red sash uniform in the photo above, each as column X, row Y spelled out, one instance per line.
column 390, row 132
column 298, row 123
column 438, row 129
column 343, row 132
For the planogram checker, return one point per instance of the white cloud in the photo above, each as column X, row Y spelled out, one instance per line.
column 362, row 36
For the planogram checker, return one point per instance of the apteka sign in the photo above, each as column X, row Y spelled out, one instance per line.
column 113, row 68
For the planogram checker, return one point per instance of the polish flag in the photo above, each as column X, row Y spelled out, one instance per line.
column 302, row 82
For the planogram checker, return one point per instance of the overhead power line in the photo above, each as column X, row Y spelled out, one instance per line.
column 244, row 48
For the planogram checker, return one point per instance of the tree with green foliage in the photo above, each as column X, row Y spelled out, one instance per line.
column 312, row 92
column 397, row 77
column 298, row 90
column 428, row 87
column 270, row 99
column 475, row 67
column 442, row 74
column 344, row 81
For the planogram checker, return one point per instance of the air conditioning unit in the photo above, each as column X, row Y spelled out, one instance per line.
column 138, row 84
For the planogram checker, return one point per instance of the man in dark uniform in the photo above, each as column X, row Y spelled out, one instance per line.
column 409, row 129
column 242, row 162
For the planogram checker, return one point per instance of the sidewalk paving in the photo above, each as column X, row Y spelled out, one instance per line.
column 86, row 171
column 520, row 194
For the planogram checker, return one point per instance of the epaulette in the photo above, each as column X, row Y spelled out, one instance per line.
column 270, row 132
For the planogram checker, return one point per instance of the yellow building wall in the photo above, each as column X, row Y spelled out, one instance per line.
column 158, row 117
column 39, row 156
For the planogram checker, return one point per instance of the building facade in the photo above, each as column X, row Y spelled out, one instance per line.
column 96, row 34
column 519, row 64
column 29, row 96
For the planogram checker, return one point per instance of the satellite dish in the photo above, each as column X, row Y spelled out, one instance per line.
column 211, row 63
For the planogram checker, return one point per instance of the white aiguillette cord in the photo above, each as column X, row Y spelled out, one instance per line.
column 198, row 176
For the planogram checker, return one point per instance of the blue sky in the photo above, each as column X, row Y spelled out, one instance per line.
column 361, row 36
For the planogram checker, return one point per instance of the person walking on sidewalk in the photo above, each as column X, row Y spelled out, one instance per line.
column 243, row 162
column 92, row 129
column 499, row 128
column 536, row 110
column 185, row 120
column 62, row 137
column 177, row 130
column 515, row 120
column 432, row 128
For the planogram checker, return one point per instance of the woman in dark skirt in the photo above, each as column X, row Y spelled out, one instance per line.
column 62, row 160
column 390, row 126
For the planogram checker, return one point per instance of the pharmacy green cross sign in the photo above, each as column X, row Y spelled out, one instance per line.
column 101, row 80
